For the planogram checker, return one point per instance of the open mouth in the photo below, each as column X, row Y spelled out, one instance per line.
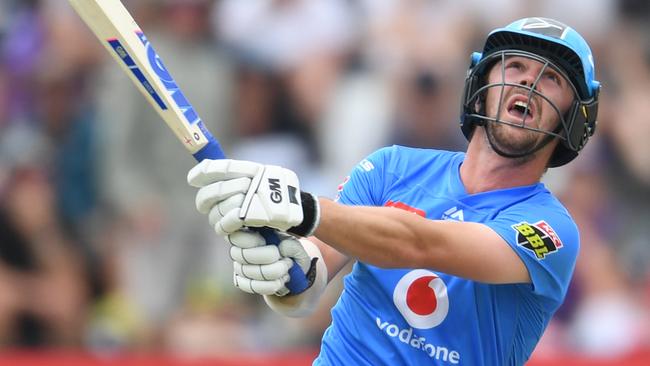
column 520, row 108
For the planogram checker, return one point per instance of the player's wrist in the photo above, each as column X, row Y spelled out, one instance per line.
column 311, row 216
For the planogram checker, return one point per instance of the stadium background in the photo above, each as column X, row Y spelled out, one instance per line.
column 103, row 259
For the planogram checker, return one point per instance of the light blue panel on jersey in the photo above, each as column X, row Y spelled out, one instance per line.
column 423, row 317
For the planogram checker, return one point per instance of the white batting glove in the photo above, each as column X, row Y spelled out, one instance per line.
column 261, row 268
column 236, row 193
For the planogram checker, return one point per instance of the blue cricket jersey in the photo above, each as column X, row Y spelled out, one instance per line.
column 424, row 317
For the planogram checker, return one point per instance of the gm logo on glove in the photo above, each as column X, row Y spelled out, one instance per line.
column 274, row 187
column 276, row 191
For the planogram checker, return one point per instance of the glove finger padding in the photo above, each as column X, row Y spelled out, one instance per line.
column 214, row 193
column 210, row 171
column 274, row 287
column 246, row 239
column 218, row 211
column 266, row 254
column 263, row 272
column 291, row 248
column 229, row 223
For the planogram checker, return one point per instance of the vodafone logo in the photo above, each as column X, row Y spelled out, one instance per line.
column 421, row 298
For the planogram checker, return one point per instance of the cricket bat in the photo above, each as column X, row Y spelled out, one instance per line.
column 115, row 28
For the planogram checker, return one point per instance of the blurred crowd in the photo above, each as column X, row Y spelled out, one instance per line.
column 100, row 245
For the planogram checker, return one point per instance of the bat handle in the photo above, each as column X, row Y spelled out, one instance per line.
column 297, row 279
column 212, row 150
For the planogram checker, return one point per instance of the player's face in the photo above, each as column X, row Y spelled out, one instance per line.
column 518, row 107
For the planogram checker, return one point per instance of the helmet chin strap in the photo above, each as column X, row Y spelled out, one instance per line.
column 547, row 139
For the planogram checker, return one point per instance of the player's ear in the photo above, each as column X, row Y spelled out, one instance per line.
column 479, row 105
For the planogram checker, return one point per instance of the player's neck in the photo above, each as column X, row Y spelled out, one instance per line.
column 484, row 170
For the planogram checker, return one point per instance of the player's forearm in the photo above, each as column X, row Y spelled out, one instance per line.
column 381, row 236
column 393, row 238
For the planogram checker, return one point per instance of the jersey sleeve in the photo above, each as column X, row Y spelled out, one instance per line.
column 547, row 240
column 365, row 184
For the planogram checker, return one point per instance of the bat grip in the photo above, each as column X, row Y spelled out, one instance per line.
column 297, row 279
column 212, row 150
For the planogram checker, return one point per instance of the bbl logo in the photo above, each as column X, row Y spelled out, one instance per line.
column 539, row 238
column 421, row 298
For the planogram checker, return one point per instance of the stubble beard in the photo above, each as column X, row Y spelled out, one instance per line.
column 499, row 138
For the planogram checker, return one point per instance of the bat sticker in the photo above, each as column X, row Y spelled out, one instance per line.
column 168, row 81
column 126, row 58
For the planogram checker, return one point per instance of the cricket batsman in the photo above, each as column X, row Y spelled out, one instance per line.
column 459, row 258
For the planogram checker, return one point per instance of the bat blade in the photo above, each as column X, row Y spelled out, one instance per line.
column 116, row 29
